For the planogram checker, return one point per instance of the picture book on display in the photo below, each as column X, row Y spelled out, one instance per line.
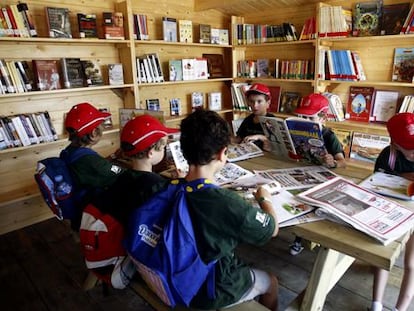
column 345, row 138
column 46, row 73
column 72, row 72
column 87, row 25
column 169, row 29
column 185, row 30
column 58, row 22
column 197, row 100
column 367, row 147
column 175, row 106
column 113, row 25
column 215, row 63
column 393, row 17
column 390, row 185
column 214, row 101
column 153, row 104
column 175, row 70
column 115, row 74
column 367, row 18
column 403, row 67
column 359, row 103
column 383, row 219
column 93, row 73
column 205, row 33
column 243, row 151
column 385, row 105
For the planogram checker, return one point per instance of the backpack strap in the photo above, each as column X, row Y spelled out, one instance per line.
column 70, row 157
column 392, row 157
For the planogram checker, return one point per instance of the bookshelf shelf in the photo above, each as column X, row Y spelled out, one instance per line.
column 183, row 44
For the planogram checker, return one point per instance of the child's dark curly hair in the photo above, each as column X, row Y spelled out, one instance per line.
column 203, row 134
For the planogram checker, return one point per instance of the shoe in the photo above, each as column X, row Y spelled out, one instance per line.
column 296, row 248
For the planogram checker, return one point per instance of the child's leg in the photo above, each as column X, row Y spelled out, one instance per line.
column 380, row 282
column 407, row 285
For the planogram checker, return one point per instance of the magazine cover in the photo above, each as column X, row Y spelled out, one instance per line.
column 307, row 139
column 389, row 185
column 367, row 147
column 381, row 218
column 403, row 67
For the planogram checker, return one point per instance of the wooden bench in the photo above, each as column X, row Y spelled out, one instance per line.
column 143, row 290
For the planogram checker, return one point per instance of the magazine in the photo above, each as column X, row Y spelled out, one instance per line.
column 381, row 218
column 298, row 177
column 389, row 185
column 243, row 151
column 295, row 138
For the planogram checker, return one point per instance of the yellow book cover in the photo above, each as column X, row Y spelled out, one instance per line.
column 185, row 29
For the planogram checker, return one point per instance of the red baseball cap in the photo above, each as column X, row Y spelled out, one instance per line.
column 312, row 104
column 401, row 130
column 142, row 132
column 84, row 118
column 258, row 88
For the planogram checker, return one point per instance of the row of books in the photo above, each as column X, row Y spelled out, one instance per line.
column 256, row 33
column 26, row 129
column 149, row 68
column 334, row 21
column 407, row 104
column 344, row 65
column 16, row 21
column 53, row 74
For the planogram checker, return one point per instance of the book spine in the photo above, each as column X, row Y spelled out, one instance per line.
column 7, row 77
column 18, row 18
column 27, row 18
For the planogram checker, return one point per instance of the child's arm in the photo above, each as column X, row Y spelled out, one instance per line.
column 331, row 161
column 263, row 138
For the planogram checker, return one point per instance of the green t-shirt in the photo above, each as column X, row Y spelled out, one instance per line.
column 222, row 220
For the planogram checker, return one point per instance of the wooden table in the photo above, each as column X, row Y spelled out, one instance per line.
column 340, row 245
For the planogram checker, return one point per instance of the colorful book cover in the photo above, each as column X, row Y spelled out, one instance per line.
column 359, row 103
column 87, row 25
column 344, row 137
column 46, row 73
column 175, row 106
column 367, row 18
column 403, row 67
column 367, row 147
column 307, row 139
column 197, row 100
column 185, row 30
column 153, row 104
column 175, row 70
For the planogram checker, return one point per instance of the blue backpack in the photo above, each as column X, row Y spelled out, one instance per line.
column 160, row 240
column 56, row 185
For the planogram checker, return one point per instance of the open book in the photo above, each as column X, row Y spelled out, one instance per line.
column 389, row 185
column 295, row 138
column 243, row 151
column 379, row 217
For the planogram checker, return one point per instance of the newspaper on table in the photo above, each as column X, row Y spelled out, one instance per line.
column 298, row 177
column 377, row 216
column 243, row 151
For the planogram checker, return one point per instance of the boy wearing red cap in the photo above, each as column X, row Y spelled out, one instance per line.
column 314, row 107
column 222, row 219
column 398, row 159
column 258, row 98
column 92, row 171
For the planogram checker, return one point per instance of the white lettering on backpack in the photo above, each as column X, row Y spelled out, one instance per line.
column 147, row 236
column 116, row 169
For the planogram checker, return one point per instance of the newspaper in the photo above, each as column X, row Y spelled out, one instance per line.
column 243, row 151
column 298, row 177
column 375, row 215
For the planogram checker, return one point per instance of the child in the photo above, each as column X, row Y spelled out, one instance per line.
column 222, row 219
column 398, row 159
column 258, row 98
column 314, row 107
column 92, row 172
column 143, row 141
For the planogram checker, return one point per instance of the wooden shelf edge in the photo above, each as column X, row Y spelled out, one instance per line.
column 191, row 44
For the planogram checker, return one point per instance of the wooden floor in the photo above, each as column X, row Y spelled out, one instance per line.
column 42, row 269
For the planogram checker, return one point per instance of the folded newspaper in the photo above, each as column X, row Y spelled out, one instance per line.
column 243, row 151
column 379, row 217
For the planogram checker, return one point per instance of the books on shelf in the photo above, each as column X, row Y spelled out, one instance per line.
column 238, row 96
column 72, row 72
column 214, row 101
column 175, row 106
column 27, row 18
column 58, row 22
column 367, row 18
column 93, row 73
column 336, row 111
column 185, row 30
column 389, row 185
column 169, row 29
column 215, row 64
column 175, row 70
column 205, row 33
column 140, row 27
column 332, row 22
column 367, row 147
column 46, row 73
column 383, row 219
column 116, row 74
column 243, row 151
column 197, row 100
column 384, row 105
column 393, row 17
column 87, row 25
column 153, row 104
column 403, row 65
column 359, row 103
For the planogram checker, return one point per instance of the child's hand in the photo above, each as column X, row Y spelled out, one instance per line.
column 253, row 138
column 262, row 193
column 329, row 161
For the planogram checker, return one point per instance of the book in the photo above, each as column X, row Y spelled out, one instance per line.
column 92, row 72
column 295, row 178
column 214, row 101
column 393, row 17
column 58, row 22
column 275, row 92
column 27, row 18
column 389, row 185
column 114, row 32
column 383, row 219
column 140, row 27
column 262, row 65
column 367, row 18
column 175, row 70
column 403, row 65
column 289, row 101
column 223, row 37
column 336, row 111
column 384, row 105
column 345, row 138
column 175, row 106
column 188, row 68
column 243, row 151
column 185, row 30
column 367, row 147
column 197, row 100
column 26, row 74
column 72, row 72
column 169, row 29
column 200, row 68
column 214, row 35
column 359, row 103
column 116, row 74
column 46, row 73
column 153, row 104
column 87, row 25
column 126, row 114
column 6, row 77
column 205, row 33
column 215, row 62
